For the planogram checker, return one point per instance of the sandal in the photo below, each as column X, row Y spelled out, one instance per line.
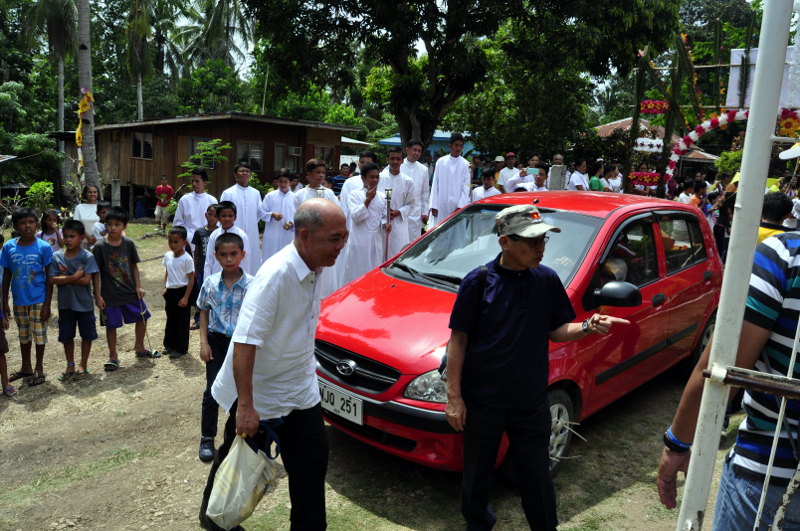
column 67, row 376
column 148, row 354
column 194, row 326
column 19, row 375
column 10, row 391
column 36, row 379
column 80, row 375
column 111, row 365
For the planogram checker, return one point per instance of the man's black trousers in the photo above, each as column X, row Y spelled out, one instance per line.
column 529, row 439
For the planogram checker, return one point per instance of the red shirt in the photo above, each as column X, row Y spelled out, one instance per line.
column 164, row 195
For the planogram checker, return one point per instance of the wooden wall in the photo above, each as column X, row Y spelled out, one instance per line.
column 171, row 144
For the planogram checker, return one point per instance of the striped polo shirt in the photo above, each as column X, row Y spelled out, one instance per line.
column 773, row 303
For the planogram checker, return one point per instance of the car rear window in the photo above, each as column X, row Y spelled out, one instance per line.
column 468, row 240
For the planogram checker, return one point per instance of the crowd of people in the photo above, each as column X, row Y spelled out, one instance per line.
column 317, row 237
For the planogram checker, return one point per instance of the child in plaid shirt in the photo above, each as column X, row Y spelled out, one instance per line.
column 220, row 299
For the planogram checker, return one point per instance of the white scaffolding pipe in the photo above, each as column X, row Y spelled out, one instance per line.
column 755, row 164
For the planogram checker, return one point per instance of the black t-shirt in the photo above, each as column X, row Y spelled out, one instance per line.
column 117, row 285
column 508, row 317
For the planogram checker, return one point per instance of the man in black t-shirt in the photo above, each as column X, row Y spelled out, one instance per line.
column 497, row 366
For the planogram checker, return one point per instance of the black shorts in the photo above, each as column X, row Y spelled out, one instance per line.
column 67, row 321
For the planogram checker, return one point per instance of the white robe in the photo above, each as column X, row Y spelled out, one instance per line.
column 212, row 264
column 191, row 213
column 422, row 188
column 451, row 186
column 310, row 193
column 403, row 199
column 276, row 237
column 350, row 185
column 479, row 192
column 365, row 247
column 247, row 201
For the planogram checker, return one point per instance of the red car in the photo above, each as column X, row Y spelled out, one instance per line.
column 381, row 338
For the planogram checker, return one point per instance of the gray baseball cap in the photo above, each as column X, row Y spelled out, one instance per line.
column 522, row 220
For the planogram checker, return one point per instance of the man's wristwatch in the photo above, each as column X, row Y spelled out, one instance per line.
column 585, row 327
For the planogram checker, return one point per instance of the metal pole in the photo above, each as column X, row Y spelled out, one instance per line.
column 757, row 150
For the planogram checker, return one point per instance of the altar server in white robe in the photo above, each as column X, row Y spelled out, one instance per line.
column 422, row 188
column 451, row 181
column 368, row 226
column 277, row 212
column 355, row 182
column 191, row 213
column 401, row 202
column 247, row 200
column 315, row 174
column 352, row 184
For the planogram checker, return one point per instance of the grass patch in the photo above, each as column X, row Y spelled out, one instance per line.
column 53, row 479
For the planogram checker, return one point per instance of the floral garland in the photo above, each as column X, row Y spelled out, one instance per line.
column 653, row 107
column 788, row 123
column 681, row 147
column 644, row 178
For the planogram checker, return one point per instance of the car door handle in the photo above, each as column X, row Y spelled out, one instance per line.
column 707, row 276
column 659, row 299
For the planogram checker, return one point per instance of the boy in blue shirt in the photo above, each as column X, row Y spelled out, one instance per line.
column 24, row 261
column 72, row 270
column 220, row 299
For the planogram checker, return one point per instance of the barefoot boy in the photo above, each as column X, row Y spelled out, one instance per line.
column 72, row 271
column 220, row 299
column 117, row 290
column 25, row 261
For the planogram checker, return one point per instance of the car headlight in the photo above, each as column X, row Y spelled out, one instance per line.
column 427, row 387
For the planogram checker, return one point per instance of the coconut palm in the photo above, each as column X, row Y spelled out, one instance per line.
column 58, row 20
column 164, row 17
column 139, row 49
column 216, row 30
column 85, row 81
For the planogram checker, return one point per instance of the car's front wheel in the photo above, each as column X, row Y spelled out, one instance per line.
column 562, row 415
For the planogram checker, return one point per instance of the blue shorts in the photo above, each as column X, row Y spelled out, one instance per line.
column 133, row 312
column 67, row 321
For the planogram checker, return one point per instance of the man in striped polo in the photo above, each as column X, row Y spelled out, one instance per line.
column 765, row 345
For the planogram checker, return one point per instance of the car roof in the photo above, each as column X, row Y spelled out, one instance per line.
column 597, row 204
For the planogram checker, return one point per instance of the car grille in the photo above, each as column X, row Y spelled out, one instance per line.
column 379, row 436
column 369, row 375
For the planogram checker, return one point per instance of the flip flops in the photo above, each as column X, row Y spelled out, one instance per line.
column 10, row 391
column 19, row 375
column 148, row 354
column 36, row 379
column 111, row 365
column 67, row 376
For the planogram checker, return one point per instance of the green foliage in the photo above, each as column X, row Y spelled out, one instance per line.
column 39, row 196
column 729, row 162
column 209, row 153
column 213, row 87
column 255, row 182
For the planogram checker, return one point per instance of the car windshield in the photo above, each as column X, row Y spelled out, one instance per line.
column 468, row 240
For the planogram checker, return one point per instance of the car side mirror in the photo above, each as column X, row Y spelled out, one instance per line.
column 617, row 293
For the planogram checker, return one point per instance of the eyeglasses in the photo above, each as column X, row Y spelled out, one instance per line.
column 533, row 242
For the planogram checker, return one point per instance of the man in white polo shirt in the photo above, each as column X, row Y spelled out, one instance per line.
column 270, row 371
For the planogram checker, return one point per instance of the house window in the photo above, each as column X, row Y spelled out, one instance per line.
column 193, row 150
column 286, row 158
column 324, row 153
column 251, row 153
column 142, row 146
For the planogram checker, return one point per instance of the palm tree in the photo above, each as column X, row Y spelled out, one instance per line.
column 85, row 81
column 139, row 50
column 217, row 30
column 164, row 17
column 58, row 19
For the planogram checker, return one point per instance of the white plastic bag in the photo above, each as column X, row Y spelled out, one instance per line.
column 242, row 479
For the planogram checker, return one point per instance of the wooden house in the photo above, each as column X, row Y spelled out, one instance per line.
column 139, row 153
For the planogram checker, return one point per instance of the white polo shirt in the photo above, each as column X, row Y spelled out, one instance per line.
column 279, row 316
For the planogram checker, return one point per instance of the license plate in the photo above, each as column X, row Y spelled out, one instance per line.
column 341, row 404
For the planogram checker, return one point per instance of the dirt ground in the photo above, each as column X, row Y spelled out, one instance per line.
column 119, row 451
